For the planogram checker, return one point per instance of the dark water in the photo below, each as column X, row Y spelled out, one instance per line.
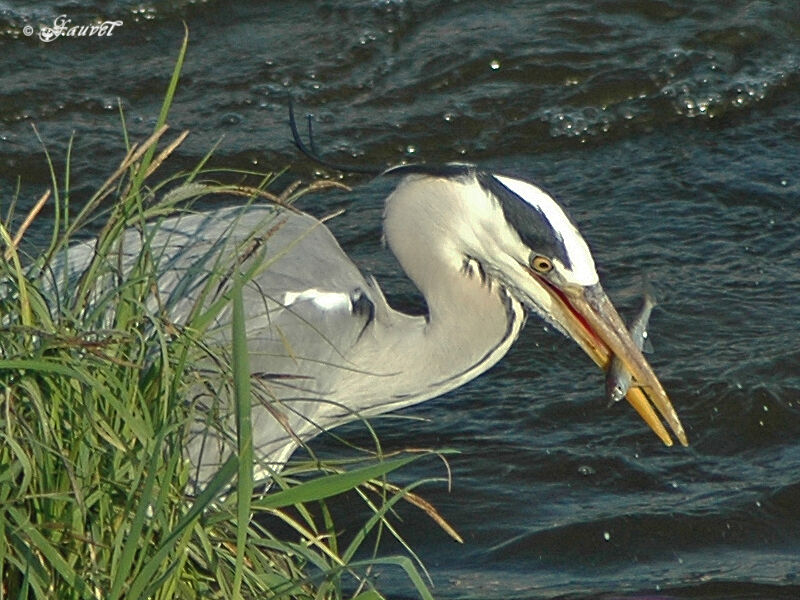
column 671, row 130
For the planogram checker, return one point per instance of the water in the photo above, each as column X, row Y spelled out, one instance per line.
column 669, row 128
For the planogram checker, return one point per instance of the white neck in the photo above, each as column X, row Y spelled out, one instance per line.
column 471, row 321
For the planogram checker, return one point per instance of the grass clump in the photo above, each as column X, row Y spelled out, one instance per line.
column 93, row 419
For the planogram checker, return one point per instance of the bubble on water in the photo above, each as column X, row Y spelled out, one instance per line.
column 144, row 13
column 231, row 119
column 367, row 38
column 607, row 536
column 494, row 65
column 688, row 106
column 586, row 470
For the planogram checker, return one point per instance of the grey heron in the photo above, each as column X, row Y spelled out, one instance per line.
column 326, row 347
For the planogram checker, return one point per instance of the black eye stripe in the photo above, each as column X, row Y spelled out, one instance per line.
column 530, row 224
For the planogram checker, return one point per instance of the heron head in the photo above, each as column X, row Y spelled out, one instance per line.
column 524, row 240
column 541, row 257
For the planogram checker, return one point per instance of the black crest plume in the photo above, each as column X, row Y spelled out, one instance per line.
column 311, row 151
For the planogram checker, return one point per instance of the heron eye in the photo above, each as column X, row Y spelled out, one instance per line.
column 542, row 264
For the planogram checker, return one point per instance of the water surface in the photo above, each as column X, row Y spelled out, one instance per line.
column 671, row 131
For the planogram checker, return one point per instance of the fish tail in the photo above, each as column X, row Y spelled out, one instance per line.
column 648, row 292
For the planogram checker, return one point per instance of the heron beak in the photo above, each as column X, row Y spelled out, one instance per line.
column 592, row 321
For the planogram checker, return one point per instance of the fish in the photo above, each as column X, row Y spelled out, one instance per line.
column 618, row 378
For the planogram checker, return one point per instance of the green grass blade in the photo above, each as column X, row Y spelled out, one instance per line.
column 50, row 553
column 23, row 589
column 378, row 515
column 330, row 485
column 133, row 536
column 407, row 565
column 3, row 545
column 19, row 461
column 369, row 595
column 25, row 305
column 241, row 382
column 160, row 557
column 45, row 366
column 168, row 97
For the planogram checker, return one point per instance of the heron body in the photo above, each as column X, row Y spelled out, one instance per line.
column 324, row 345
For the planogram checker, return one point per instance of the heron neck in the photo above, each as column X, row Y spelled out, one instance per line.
column 471, row 322
column 471, row 325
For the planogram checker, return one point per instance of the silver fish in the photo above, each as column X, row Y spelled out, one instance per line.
column 618, row 379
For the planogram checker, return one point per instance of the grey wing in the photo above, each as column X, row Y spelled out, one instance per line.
column 306, row 307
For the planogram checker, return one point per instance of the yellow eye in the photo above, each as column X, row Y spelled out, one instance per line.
column 542, row 264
